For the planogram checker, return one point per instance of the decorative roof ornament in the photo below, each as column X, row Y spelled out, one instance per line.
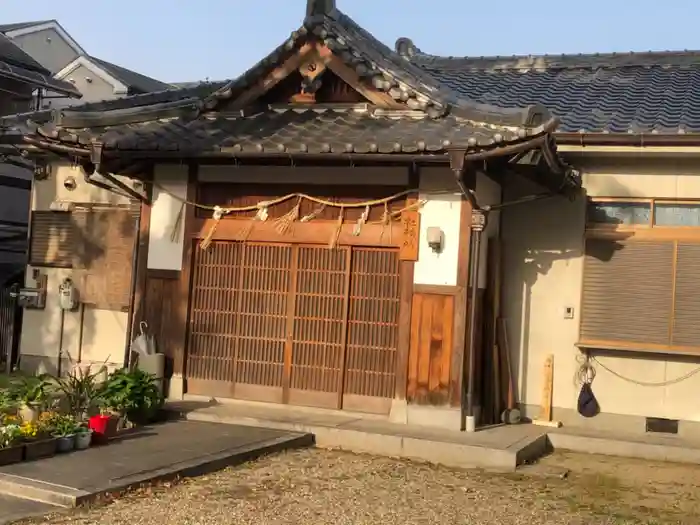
column 319, row 7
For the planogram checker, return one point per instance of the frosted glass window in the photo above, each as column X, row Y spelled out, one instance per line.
column 673, row 214
column 621, row 213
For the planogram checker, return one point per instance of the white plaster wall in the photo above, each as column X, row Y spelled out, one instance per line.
column 543, row 246
column 89, row 335
column 442, row 209
column 166, row 236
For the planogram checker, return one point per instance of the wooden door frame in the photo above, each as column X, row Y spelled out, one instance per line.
column 305, row 234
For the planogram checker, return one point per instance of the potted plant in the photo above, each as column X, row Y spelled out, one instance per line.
column 10, row 444
column 32, row 393
column 64, row 431
column 38, row 440
column 83, row 437
column 79, row 390
column 134, row 394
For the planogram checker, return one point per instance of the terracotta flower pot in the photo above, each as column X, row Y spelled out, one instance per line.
column 29, row 413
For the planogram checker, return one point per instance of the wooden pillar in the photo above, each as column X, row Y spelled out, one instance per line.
column 139, row 310
column 461, row 316
column 406, row 271
column 182, row 294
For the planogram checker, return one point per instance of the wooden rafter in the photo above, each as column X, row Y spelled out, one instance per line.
column 275, row 76
column 348, row 75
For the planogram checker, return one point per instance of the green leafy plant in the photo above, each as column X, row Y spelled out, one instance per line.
column 133, row 393
column 64, row 425
column 8, row 403
column 10, row 435
column 31, row 390
column 80, row 389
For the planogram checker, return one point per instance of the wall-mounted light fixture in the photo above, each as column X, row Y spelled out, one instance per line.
column 70, row 183
column 435, row 238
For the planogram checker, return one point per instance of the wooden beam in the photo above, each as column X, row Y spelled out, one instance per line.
column 461, row 307
column 182, row 302
column 139, row 313
column 314, row 232
column 350, row 76
column 273, row 78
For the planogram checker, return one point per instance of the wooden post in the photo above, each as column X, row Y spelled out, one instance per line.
column 545, row 418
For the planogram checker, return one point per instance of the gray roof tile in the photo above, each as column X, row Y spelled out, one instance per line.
column 651, row 92
column 286, row 129
column 137, row 82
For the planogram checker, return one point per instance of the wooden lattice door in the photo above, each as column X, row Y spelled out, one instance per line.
column 295, row 324
column 238, row 320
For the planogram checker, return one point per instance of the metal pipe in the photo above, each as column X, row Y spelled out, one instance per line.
column 132, row 300
column 60, row 344
column 475, row 255
column 522, row 200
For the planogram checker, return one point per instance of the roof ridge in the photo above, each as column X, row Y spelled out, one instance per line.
column 614, row 59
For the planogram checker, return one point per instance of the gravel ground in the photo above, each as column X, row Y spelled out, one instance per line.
column 329, row 487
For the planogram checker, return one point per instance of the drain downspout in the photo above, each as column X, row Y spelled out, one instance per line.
column 478, row 223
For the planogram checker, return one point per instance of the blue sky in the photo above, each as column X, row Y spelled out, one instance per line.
column 185, row 40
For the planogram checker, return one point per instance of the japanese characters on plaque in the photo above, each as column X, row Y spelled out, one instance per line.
column 410, row 230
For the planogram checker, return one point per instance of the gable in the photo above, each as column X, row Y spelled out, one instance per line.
column 90, row 75
column 48, row 48
column 314, row 74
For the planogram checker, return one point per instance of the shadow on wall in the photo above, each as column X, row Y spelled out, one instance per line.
column 63, row 337
column 536, row 237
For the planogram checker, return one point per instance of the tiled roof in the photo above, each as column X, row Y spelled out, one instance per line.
column 353, row 129
column 135, row 81
column 602, row 93
column 380, row 68
column 18, row 65
column 6, row 28
column 14, row 55
column 204, row 119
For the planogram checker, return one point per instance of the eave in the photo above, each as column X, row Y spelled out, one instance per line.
column 639, row 140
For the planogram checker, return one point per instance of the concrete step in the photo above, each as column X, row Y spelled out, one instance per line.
column 13, row 509
column 39, row 491
column 653, row 447
column 499, row 449
column 160, row 453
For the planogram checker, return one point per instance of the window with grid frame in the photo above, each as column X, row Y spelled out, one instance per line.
column 641, row 277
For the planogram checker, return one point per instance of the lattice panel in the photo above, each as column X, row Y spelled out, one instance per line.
column 319, row 319
column 263, row 294
column 372, row 323
column 213, row 316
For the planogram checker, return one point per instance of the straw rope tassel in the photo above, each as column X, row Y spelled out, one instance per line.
column 260, row 216
column 175, row 232
column 206, row 242
column 338, row 227
column 361, row 222
column 285, row 222
column 311, row 216
column 386, row 221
